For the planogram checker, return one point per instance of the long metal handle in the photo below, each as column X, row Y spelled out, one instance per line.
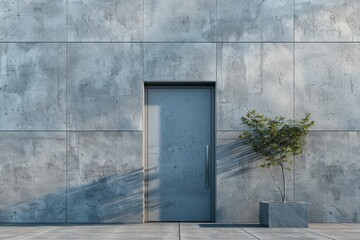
column 207, row 166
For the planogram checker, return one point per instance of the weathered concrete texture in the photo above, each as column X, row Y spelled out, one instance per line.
column 154, row 231
column 180, row 62
column 253, row 76
column 32, row 177
column 105, row 177
column 337, row 231
column 176, row 21
column 327, row 84
column 32, row 20
column 327, row 176
column 105, row 87
column 289, row 233
column 192, row 231
column 241, row 183
column 327, row 20
column 32, row 86
column 111, row 20
column 254, row 20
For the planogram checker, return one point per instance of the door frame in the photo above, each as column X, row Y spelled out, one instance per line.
column 212, row 166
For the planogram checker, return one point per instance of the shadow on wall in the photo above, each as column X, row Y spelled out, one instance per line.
column 112, row 199
column 116, row 198
column 235, row 158
column 241, row 183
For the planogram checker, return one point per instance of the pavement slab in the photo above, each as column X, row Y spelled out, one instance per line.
column 212, row 231
column 177, row 231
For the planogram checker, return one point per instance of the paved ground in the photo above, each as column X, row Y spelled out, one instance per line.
column 178, row 231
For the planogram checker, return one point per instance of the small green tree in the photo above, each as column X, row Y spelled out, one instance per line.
column 277, row 140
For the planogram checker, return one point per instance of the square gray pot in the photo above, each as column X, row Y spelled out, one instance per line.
column 284, row 215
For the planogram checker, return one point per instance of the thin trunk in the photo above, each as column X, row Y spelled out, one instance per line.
column 277, row 185
column 284, row 182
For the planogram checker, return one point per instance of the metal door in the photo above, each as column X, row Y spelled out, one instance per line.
column 179, row 153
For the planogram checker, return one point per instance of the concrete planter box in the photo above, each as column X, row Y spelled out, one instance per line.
column 284, row 215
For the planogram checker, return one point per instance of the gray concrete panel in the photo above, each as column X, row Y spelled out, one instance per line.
column 254, row 20
column 327, row 20
column 104, row 86
column 327, row 176
column 32, row 177
column 32, row 20
column 241, row 183
column 111, row 20
column 178, row 21
column 180, row 62
column 327, row 84
column 105, row 177
column 32, row 86
column 253, row 76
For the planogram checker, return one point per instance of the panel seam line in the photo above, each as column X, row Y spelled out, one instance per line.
column 250, row 233
column 66, row 119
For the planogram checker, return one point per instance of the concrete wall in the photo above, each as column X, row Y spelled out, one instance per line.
column 71, row 89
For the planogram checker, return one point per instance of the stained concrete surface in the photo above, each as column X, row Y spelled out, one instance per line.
column 104, row 177
column 32, row 20
column 32, row 86
column 327, row 176
column 326, row 80
column 180, row 62
column 113, row 20
column 33, row 173
column 254, row 21
column 180, row 231
column 174, row 21
column 327, row 20
column 104, row 86
column 253, row 76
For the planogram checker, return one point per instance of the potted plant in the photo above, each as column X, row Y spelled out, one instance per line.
column 278, row 140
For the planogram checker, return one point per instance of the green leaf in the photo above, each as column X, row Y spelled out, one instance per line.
column 277, row 139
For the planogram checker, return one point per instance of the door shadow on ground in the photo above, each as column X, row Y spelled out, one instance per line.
column 229, row 225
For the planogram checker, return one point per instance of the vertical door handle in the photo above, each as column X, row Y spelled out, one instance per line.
column 207, row 166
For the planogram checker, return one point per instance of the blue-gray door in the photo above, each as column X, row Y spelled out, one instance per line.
column 179, row 153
